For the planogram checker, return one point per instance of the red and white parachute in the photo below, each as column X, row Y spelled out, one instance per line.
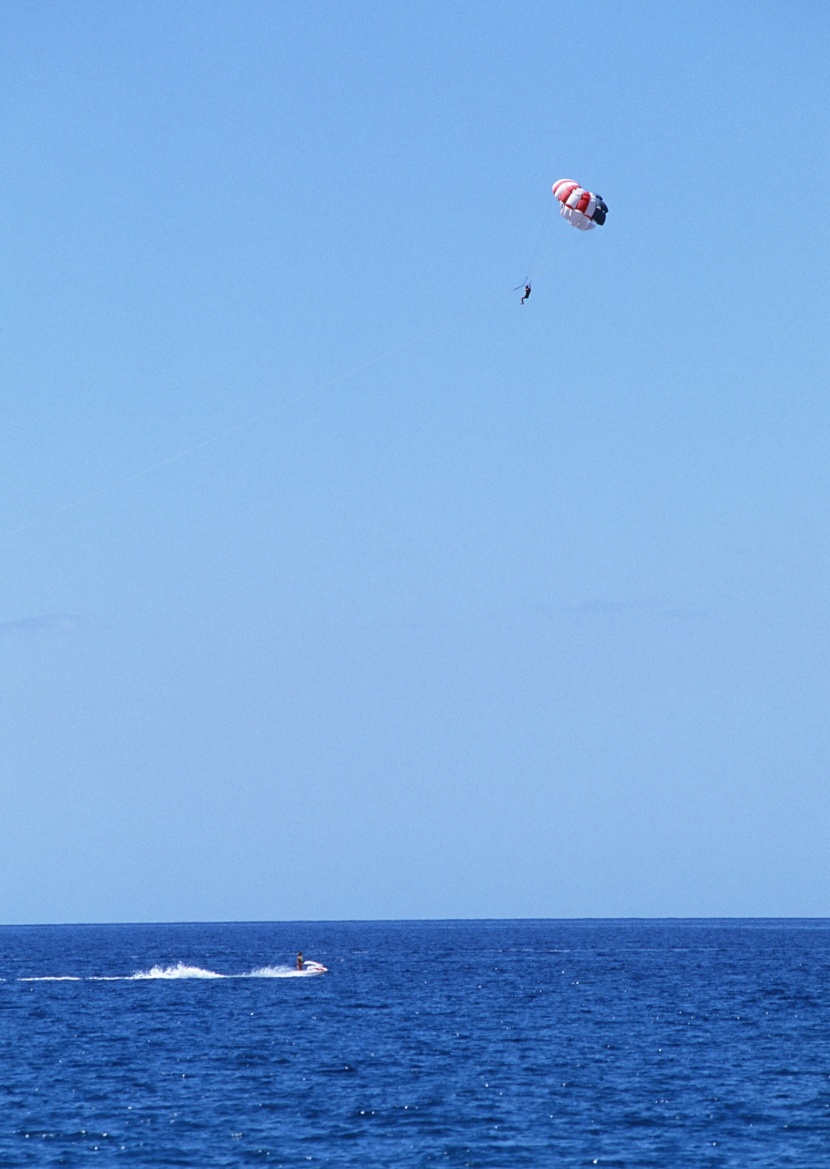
column 582, row 209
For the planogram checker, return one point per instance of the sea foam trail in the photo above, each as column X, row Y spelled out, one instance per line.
column 53, row 978
column 182, row 970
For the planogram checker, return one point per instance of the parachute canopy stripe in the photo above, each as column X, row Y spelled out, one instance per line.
column 562, row 188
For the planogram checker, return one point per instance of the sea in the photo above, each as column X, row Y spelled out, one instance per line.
column 451, row 1043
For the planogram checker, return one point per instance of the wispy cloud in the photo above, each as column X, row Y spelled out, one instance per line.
column 46, row 623
column 643, row 608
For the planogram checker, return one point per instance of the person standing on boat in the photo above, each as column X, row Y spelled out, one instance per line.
column 300, row 960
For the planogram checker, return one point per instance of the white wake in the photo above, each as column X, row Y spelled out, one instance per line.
column 183, row 970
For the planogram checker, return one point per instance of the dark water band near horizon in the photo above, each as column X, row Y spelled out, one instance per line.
column 473, row 1043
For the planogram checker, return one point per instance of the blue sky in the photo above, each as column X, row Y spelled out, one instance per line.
column 528, row 618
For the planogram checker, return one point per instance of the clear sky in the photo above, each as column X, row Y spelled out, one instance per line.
column 528, row 618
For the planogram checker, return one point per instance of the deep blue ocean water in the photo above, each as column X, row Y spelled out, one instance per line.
column 546, row 1043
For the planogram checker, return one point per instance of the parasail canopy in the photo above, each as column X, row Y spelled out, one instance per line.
column 582, row 209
